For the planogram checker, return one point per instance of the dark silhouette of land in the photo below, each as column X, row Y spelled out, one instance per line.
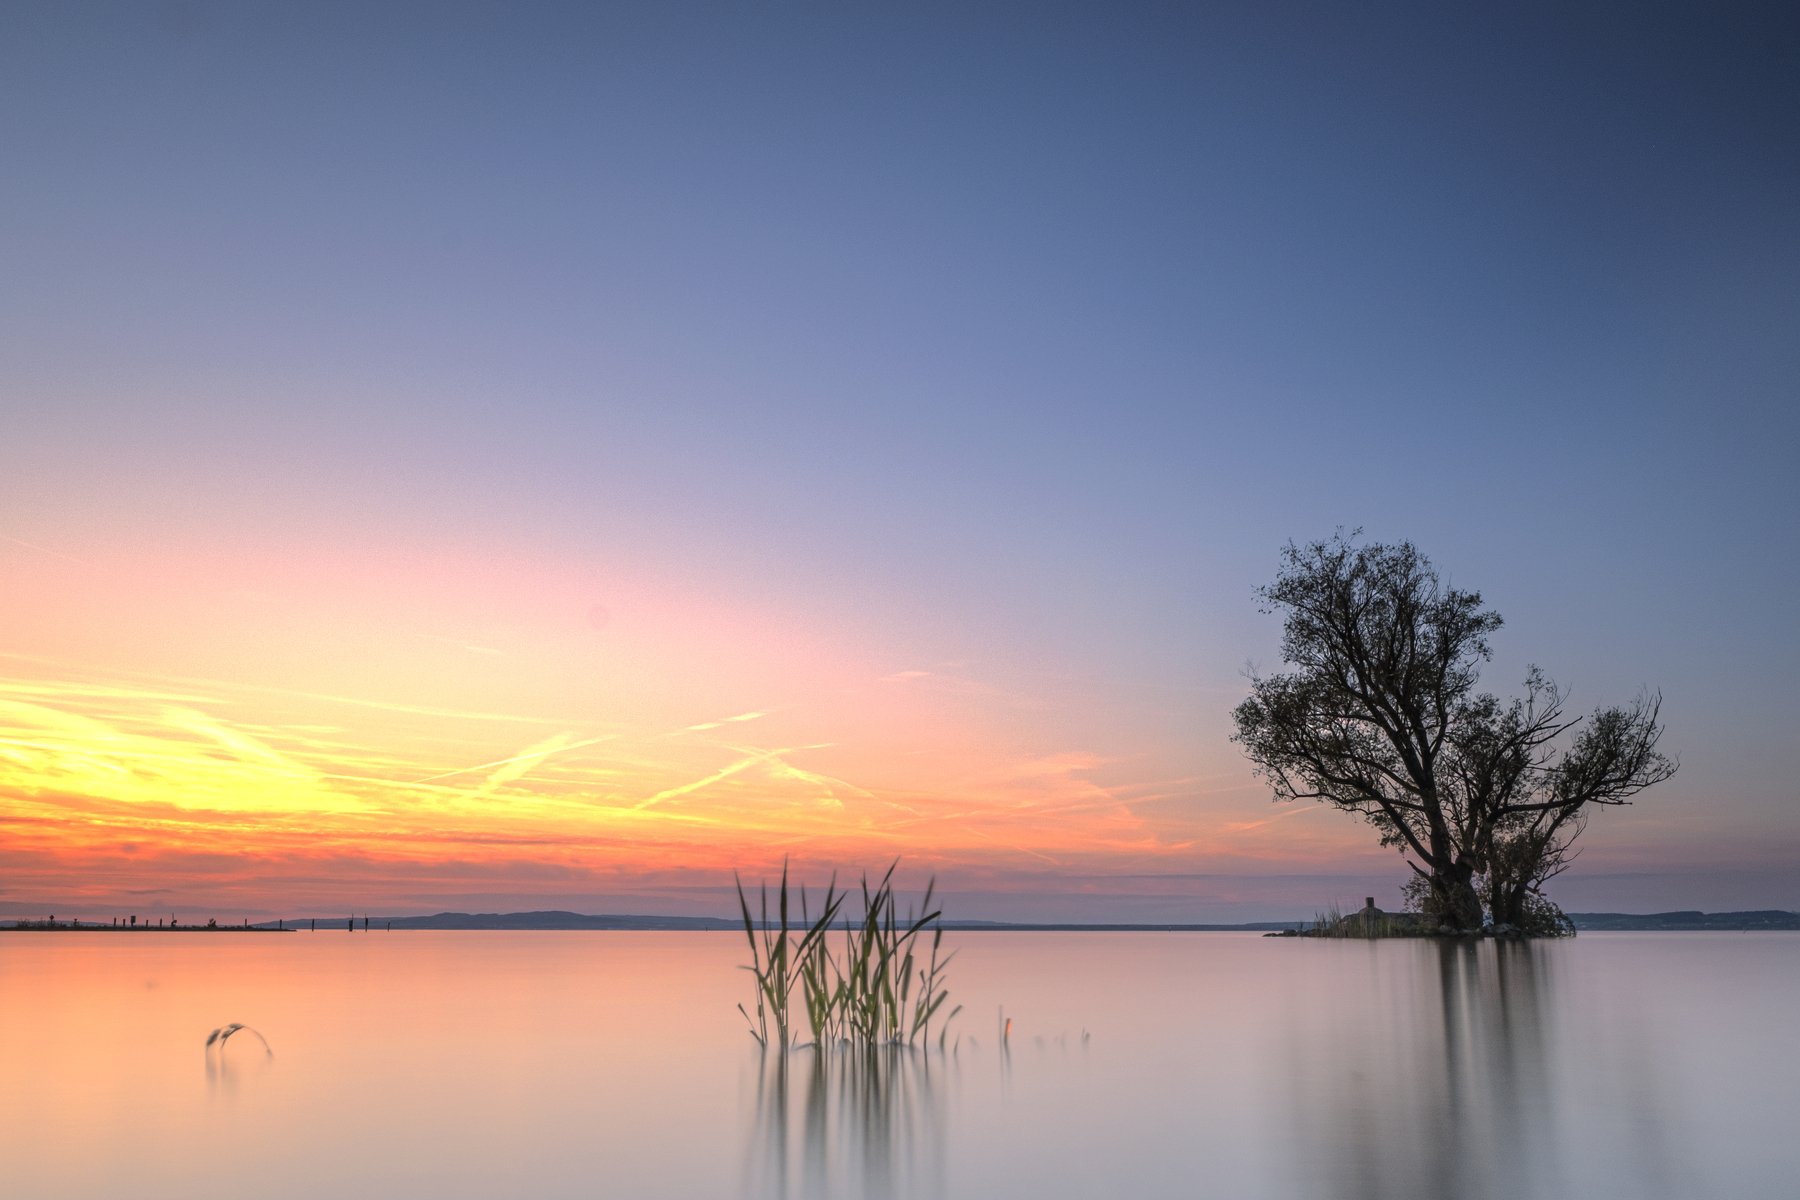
column 555, row 919
column 1762, row 918
column 107, row 927
column 1686, row 920
column 570, row 920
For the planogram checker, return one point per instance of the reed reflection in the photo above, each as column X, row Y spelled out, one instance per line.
column 225, row 1071
column 845, row 1121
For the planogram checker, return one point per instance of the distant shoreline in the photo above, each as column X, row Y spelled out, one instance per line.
column 69, row 927
column 1666, row 922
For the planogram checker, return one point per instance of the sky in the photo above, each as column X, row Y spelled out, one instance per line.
column 492, row 457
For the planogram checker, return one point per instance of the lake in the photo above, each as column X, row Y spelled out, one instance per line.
column 589, row 1064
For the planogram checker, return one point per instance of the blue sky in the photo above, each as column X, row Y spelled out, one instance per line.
column 1013, row 340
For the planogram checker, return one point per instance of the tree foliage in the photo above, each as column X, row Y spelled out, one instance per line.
column 1378, row 715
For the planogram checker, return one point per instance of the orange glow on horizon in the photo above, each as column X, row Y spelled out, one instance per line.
column 305, row 801
column 443, row 734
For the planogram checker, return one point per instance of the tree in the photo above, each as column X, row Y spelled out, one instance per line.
column 1378, row 715
column 1537, row 797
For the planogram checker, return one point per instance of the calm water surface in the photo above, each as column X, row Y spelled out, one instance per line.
column 548, row 1065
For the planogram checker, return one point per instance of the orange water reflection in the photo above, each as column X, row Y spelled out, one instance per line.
column 585, row 1064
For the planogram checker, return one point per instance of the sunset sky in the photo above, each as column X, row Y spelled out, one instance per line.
column 502, row 457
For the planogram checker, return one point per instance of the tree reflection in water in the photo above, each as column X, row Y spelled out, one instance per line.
column 849, row 1122
column 1458, row 1089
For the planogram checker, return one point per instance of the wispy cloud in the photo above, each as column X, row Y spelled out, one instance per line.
column 72, row 674
column 43, row 550
column 512, row 767
column 251, row 789
column 737, row 720
column 754, row 758
column 471, row 647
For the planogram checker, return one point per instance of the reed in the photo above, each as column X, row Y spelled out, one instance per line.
column 884, row 986
column 223, row 1034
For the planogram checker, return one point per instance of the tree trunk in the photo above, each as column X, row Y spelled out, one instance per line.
column 1509, row 905
column 1505, row 906
column 1453, row 898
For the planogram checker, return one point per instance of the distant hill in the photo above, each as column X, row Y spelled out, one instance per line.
column 557, row 920
column 521, row 920
column 568, row 920
column 1142, row 927
column 1596, row 922
column 1762, row 918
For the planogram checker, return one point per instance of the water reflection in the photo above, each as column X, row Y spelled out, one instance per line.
column 1454, row 1086
column 843, row 1121
column 227, row 1071
column 1630, row 1065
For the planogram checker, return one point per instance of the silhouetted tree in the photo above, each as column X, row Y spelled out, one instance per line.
column 1379, row 716
column 1535, row 797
